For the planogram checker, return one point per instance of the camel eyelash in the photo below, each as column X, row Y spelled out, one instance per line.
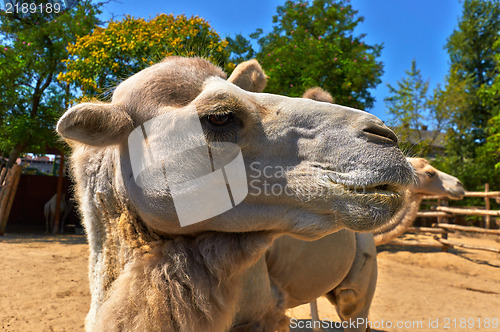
column 221, row 119
column 220, row 127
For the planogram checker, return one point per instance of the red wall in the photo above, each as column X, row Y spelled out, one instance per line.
column 32, row 194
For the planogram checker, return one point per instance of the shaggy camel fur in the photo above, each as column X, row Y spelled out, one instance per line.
column 49, row 211
column 148, row 273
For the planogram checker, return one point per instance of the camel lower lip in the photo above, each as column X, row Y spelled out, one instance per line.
column 381, row 189
column 389, row 197
column 373, row 209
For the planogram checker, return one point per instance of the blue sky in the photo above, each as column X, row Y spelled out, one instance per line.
column 409, row 29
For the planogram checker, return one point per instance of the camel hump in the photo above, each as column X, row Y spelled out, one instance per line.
column 318, row 94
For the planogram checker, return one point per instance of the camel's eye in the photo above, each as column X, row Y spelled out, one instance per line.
column 430, row 174
column 221, row 119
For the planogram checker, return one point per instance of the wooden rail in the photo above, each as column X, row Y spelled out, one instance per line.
column 426, row 230
column 443, row 212
column 430, row 214
column 466, row 246
column 468, row 211
column 490, row 194
column 468, row 229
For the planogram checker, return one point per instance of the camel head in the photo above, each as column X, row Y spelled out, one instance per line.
column 432, row 181
column 309, row 168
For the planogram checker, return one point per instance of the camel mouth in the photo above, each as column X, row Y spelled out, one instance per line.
column 368, row 206
column 382, row 191
column 367, row 181
column 372, row 207
column 384, row 188
column 391, row 193
column 354, row 187
column 458, row 195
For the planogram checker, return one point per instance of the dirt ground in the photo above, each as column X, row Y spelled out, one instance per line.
column 44, row 286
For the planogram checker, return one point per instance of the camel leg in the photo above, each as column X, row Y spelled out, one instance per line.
column 315, row 315
column 47, row 219
column 62, row 221
column 353, row 296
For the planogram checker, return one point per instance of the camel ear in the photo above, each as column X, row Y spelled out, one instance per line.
column 249, row 76
column 95, row 124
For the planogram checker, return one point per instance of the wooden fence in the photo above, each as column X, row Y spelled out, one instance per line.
column 9, row 180
column 443, row 213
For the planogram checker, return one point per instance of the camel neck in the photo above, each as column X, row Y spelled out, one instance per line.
column 402, row 220
column 184, row 284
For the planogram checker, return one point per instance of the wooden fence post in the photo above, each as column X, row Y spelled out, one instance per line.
column 487, row 220
column 3, row 173
column 7, row 194
column 57, row 215
column 441, row 220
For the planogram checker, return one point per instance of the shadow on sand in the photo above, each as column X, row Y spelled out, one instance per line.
column 462, row 253
column 43, row 238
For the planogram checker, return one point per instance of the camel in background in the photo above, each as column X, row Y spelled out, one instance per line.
column 49, row 212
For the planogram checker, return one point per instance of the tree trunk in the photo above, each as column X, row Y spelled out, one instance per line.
column 18, row 149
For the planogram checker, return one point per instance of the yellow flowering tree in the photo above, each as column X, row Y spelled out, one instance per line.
column 100, row 60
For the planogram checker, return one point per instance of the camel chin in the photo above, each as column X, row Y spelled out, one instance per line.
column 372, row 209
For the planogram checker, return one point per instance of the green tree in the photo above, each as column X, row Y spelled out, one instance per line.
column 490, row 94
column 100, row 60
column 418, row 117
column 32, row 46
column 472, row 48
column 240, row 49
column 409, row 106
column 472, row 52
column 313, row 44
column 489, row 153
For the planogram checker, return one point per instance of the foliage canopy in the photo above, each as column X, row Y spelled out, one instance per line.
column 313, row 44
column 32, row 47
column 100, row 60
column 473, row 48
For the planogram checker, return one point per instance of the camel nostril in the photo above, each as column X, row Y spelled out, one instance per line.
column 381, row 132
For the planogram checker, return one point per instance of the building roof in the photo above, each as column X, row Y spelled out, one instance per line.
column 437, row 138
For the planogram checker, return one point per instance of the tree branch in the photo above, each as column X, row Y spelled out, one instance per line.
column 37, row 95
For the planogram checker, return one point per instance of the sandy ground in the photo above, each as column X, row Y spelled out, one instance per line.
column 44, row 287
